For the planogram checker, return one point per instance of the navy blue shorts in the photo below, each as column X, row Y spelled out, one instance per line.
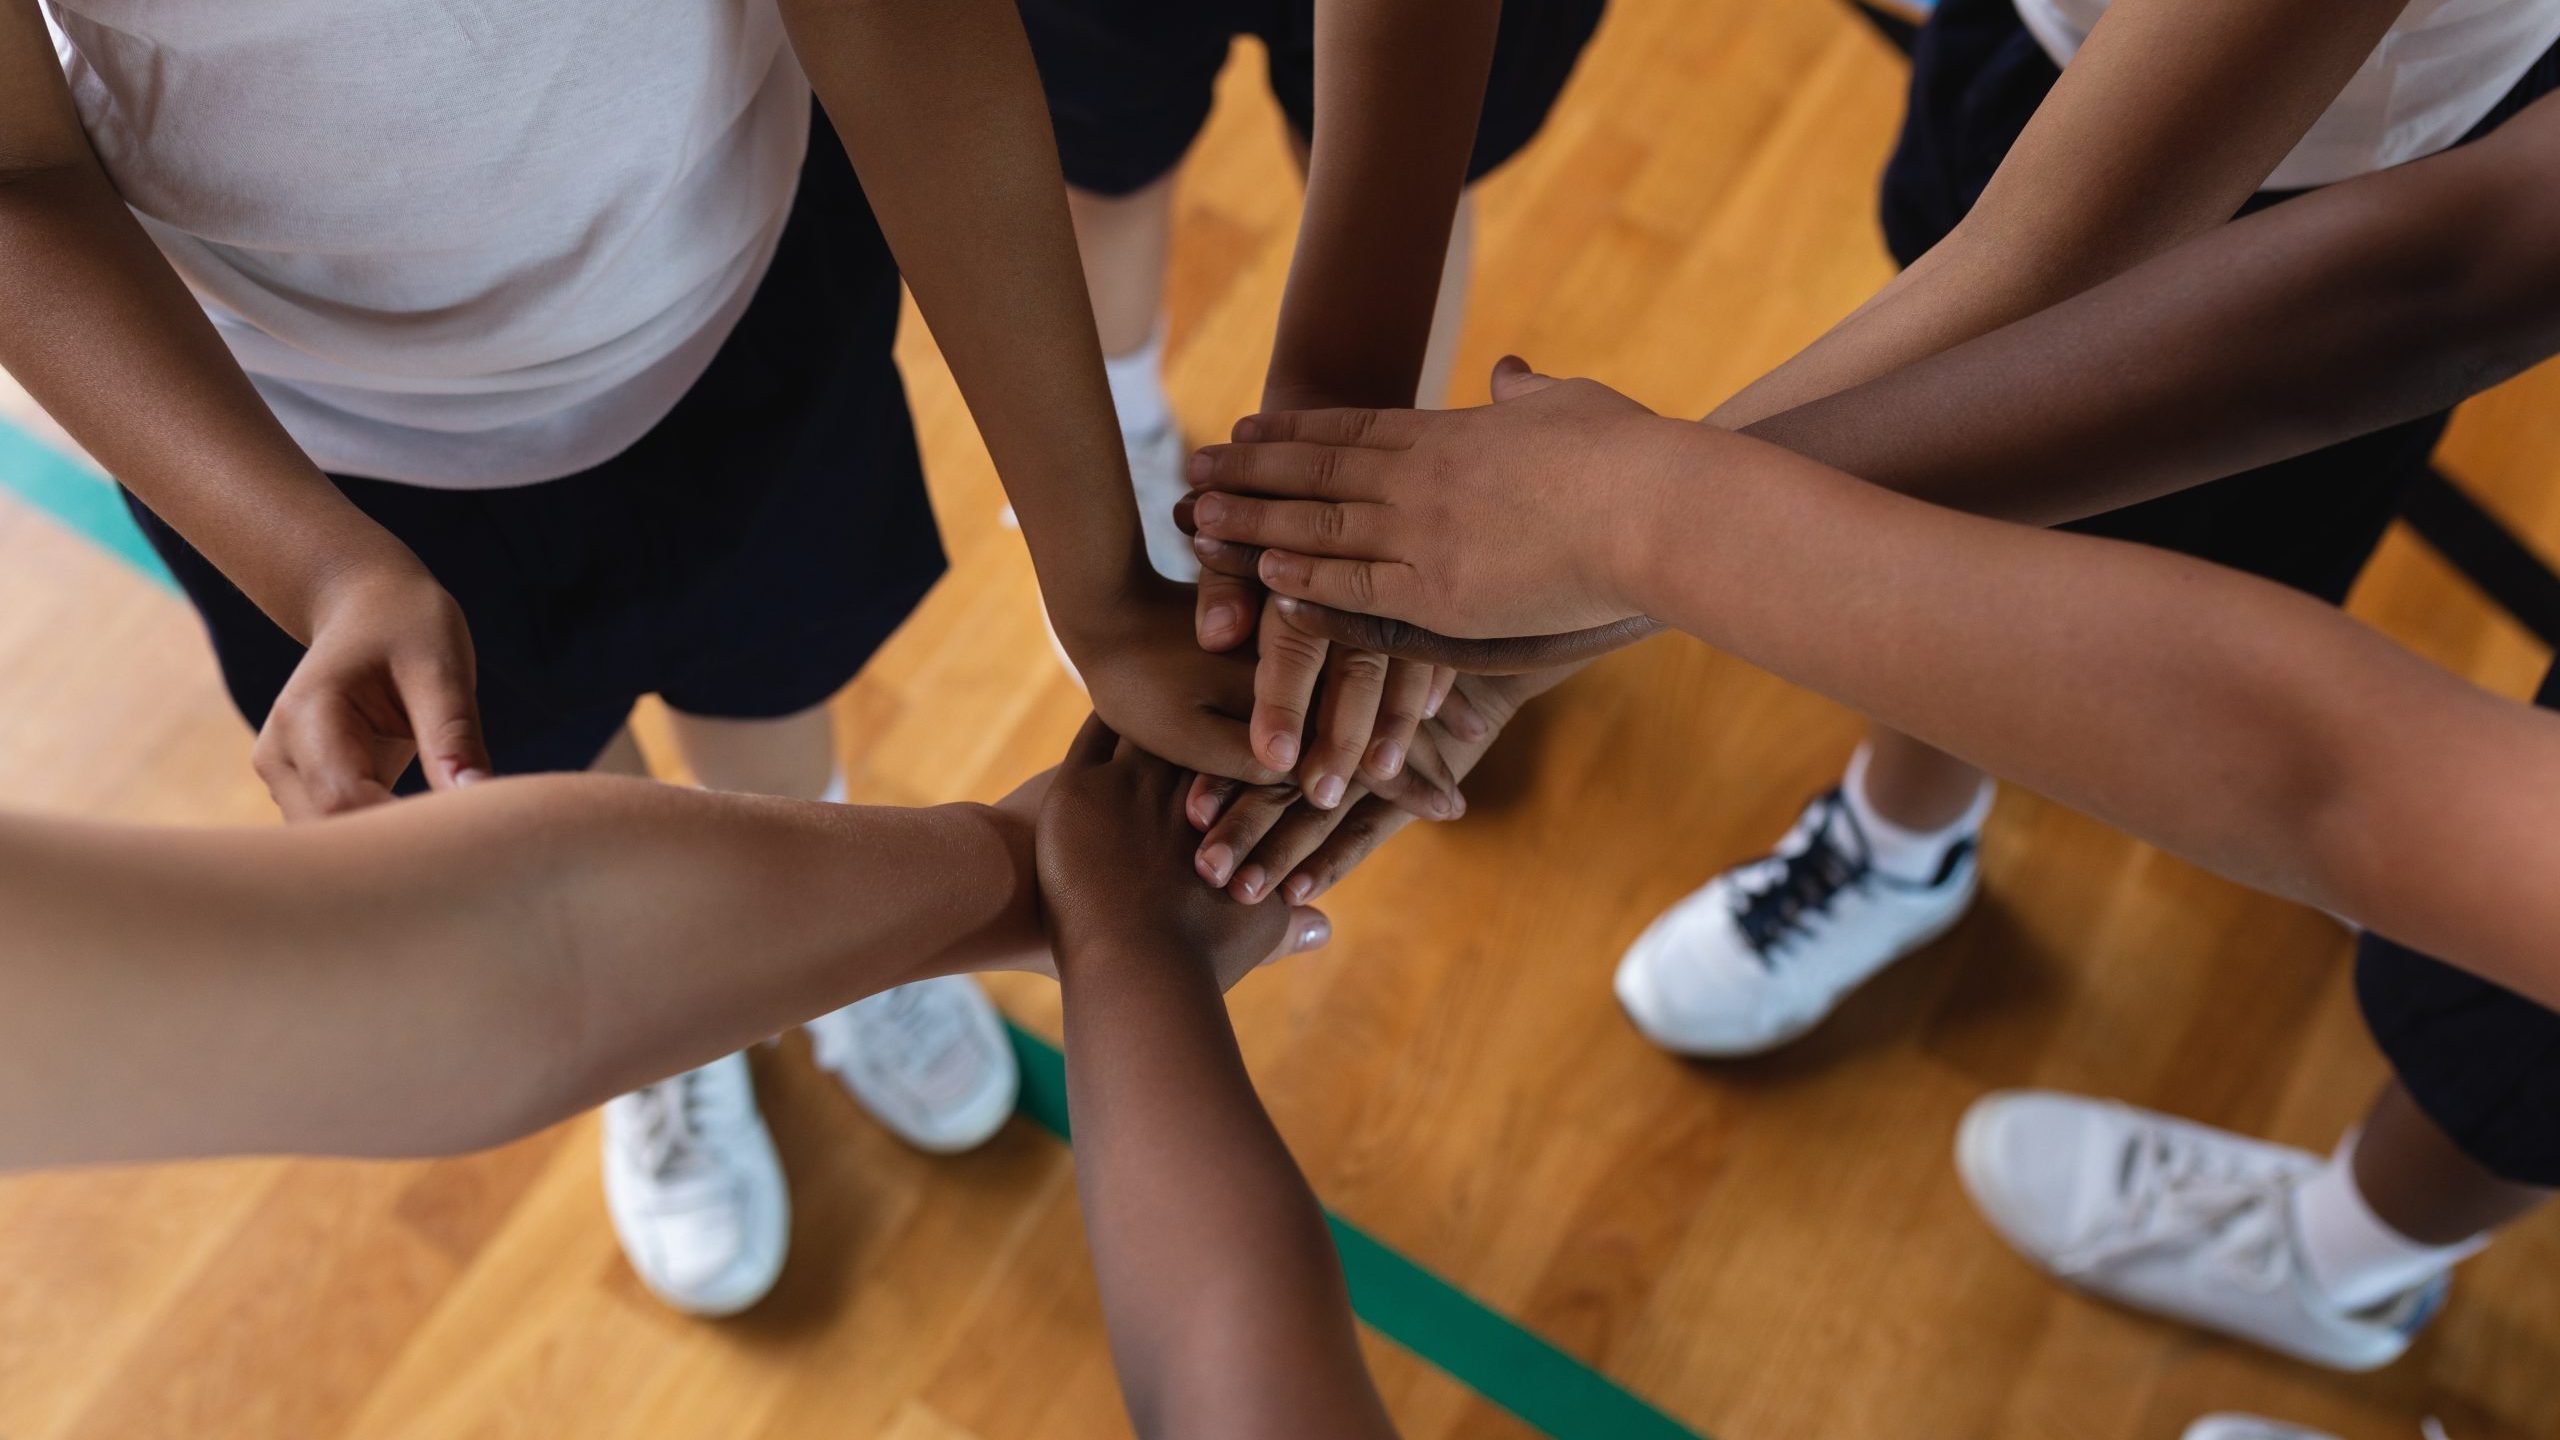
column 2483, row 1063
column 1130, row 81
column 742, row 560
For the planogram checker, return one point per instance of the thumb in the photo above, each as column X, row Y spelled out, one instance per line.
column 444, row 716
column 1308, row 930
column 1514, row 380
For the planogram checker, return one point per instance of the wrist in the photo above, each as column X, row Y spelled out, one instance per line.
column 358, row 575
column 1635, row 538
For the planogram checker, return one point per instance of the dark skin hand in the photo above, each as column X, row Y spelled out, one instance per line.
column 1224, row 1299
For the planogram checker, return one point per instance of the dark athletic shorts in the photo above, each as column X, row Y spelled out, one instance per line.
column 2483, row 1063
column 743, row 559
column 1130, row 81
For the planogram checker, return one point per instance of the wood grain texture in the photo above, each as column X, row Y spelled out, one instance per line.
column 1769, row 1250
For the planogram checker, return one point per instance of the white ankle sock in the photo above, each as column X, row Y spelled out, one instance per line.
column 834, row 793
column 1137, row 387
column 2354, row 1257
column 1898, row 850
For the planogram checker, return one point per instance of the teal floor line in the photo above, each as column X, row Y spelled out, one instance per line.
column 1465, row 1339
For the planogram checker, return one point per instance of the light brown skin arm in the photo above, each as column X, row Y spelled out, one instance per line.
column 942, row 114
column 453, row 972
column 2169, row 118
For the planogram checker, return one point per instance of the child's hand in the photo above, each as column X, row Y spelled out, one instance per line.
column 1515, row 518
column 1115, row 872
column 389, row 678
column 1151, row 681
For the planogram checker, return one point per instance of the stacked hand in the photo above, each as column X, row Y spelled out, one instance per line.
column 1110, row 847
column 1510, row 520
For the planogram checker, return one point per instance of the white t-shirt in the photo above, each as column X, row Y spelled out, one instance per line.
column 455, row 243
column 2440, row 71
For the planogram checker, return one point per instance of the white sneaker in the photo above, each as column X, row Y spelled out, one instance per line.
column 695, row 1189
column 1156, row 463
column 1761, row 953
column 2171, row 1217
column 928, row 1060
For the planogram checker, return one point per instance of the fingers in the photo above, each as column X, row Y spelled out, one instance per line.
column 1209, row 798
column 1355, row 681
column 1514, row 380
column 1362, row 429
column 1359, row 831
column 1442, row 677
column 1308, row 930
column 1372, row 587
column 444, row 717
column 1284, row 687
column 1224, row 858
column 1228, row 601
column 320, row 759
column 1509, row 656
column 1424, row 789
column 1299, row 472
column 1353, row 531
column 1095, row 743
column 1400, row 711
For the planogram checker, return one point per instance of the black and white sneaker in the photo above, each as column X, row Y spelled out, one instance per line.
column 1761, row 953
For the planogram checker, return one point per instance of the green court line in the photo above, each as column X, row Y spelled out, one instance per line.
column 77, row 497
column 1469, row 1341
column 1472, row 1343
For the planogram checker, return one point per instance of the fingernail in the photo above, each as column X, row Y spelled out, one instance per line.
column 1284, row 751
column 1217, row 862
column 1252, row 881
column 1248, row 430
column 1224, row 618
column 1206, row 546
column 1297, row 888
column 463, row 779
column 1431, row 706
column 1290, row 605
column 1448, row 805
column 1328, row 792
column 1209, row 510
column 1386, row 759
column 1198, row 470
column 1467, row 725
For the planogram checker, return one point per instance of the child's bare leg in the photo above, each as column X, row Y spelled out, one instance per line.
column 1916, row 786
column 2420, row 1183
column 1124, row 241
column 793, row 757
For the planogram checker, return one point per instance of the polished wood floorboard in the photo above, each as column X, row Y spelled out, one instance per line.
column 1769, row 1250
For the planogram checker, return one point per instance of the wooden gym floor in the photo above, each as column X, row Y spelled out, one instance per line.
column 1768, row 1250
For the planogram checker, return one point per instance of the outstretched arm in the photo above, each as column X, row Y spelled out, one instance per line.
column 1223, row 1294
column 941, row 111
column 459, row 970
column 2246, row 727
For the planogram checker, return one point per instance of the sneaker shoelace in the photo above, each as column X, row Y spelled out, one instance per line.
column 673, row 1132
column 904, row 1037
column 1783, row 895
column 2176, row 1192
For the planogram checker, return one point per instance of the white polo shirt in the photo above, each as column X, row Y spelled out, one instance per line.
column 455, row 243
column 2443, row 67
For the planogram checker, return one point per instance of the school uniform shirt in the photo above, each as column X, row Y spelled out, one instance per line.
column 2439, row 71
column 454, row 243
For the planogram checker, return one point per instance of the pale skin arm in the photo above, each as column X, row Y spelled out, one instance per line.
column 453, row 972
column 2170, row 116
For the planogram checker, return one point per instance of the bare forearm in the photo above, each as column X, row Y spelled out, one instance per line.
column 452, row 972
column 2369, row 303
column 2170, row 116
column 99, row 330
column 1398, row 90
column 2245, row 727
column 941, row 110
column 1220, row 1285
